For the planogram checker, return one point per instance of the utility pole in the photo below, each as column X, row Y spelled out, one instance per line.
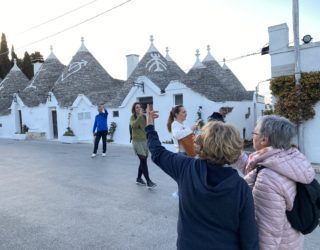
column 297, row 70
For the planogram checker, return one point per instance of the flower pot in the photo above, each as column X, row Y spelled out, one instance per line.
column 19, row 137
column 68, row 139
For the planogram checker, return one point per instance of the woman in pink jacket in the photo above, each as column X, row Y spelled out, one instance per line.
column 274, row 187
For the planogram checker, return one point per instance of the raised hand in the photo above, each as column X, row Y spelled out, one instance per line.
column 151, row 114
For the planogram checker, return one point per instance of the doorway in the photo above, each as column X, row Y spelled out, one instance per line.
column 20, row 121
column 144, row 101
column 54, row 124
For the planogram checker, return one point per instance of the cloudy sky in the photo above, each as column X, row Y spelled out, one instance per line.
column 233, row 28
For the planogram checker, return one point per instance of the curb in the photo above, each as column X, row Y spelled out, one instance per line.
column 316, row 167
column 317, row 170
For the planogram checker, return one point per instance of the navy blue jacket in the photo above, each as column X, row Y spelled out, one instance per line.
column 101, row 122
column 216, row 208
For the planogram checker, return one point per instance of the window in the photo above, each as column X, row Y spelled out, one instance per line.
column 116, row 113
column 80, row 116
column 178, row 99
column 84, row 116
column 87, row 115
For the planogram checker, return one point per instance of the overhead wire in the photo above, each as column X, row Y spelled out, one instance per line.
column 70, row 27
column 75, row 25
column 57, row 17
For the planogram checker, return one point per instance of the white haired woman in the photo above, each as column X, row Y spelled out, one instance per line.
column 274, row 187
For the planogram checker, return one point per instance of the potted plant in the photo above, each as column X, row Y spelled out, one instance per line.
column 69, row 136
column 111, row 131
column 21, row 135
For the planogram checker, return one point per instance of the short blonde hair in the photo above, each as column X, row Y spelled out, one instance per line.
column 219, row 143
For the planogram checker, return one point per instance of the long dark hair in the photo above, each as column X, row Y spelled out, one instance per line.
column 174, row 111
column 133, row 109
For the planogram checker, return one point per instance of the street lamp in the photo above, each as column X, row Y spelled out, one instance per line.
column 139, row 85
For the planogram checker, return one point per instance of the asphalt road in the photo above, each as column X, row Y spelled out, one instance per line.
column 54, row 196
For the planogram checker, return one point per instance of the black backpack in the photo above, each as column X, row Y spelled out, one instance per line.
column 305, row 214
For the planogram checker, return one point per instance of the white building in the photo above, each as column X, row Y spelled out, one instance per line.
column 59, row 97
column 283, row 63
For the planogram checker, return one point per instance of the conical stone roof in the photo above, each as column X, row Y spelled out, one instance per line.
column 85, row 75
column 42, row 83
column 14, row 82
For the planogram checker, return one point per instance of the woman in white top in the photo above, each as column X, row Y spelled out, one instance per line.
column 177, row 116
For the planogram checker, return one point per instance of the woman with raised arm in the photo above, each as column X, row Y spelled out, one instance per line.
column 139, row 143
column 216, row 208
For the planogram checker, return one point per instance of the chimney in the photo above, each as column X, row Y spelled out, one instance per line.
column 37, row 63
column 132, row 62
column 278, row 38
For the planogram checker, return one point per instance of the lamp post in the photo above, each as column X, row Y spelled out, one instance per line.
column 297, row 70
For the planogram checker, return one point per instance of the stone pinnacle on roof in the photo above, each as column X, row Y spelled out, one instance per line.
column 198, row 63
column 209, row 57
column 224, row 64
column 82, row 47
column 152, row 48
column 167, row 55
column 51, row 55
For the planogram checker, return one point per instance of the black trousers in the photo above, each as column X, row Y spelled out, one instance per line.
column 99, row 135
column 143, row 168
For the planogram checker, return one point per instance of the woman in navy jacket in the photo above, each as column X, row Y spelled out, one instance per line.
column 216, row 208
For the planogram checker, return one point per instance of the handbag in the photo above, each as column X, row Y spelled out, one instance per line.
column 188, row 145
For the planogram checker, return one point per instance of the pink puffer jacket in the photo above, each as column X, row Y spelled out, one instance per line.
column 274, row 190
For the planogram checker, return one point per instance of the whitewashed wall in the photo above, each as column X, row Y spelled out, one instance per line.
column 312, row 137
column 83, row 113
column 7, row 129
column 191, row 100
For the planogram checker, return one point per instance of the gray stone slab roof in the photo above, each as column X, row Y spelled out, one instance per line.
column 155, row 67
column 158, row 69
column 85, row 75
column 37, row 90
column 14, row 82
column 216, row 83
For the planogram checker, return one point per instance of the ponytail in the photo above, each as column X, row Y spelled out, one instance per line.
column 170, row 121
column 174, row 111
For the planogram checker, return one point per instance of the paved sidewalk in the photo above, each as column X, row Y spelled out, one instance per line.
column 54, row 196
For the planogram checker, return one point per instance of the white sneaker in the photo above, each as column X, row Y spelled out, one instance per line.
column 104, row 155
column 93, row 155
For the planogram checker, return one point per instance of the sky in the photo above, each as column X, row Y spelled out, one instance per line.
column 232, row 28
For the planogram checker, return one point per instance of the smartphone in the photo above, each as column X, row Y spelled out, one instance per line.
column 150, row 106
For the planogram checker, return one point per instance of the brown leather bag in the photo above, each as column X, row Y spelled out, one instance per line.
column 188, row 145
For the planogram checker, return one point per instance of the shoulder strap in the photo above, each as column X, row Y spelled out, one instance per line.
column 258, row 169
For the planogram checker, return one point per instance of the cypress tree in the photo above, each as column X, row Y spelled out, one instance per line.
column 13, row 55
column 36, row 57
column 27, row 66
column 5, row 64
